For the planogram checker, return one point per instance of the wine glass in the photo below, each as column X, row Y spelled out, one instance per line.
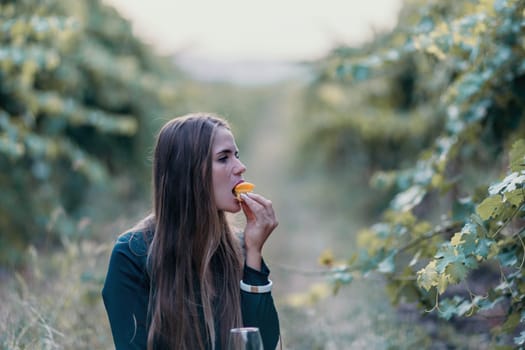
column 245, row 338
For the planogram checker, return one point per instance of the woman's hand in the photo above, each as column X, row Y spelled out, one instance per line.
column 260, row 222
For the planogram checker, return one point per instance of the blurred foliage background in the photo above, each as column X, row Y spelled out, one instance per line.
column 432, row 112
column 406, row 152
column 80, row 98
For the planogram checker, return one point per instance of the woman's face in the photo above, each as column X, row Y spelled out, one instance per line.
column 227, row 170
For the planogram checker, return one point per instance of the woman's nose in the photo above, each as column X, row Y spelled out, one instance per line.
column 239, row 167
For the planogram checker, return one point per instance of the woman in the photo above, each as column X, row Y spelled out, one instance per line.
column 179, row 279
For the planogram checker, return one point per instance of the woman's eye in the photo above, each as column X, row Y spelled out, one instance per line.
column 223, row 159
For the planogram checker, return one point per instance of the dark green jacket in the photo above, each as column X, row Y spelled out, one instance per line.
column 126, row 293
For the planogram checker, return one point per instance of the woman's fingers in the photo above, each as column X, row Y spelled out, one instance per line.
column 261, row 208
column 253, row 205
column 250, row 216
column 259, row 199
column 261, row 221
column 257, row 203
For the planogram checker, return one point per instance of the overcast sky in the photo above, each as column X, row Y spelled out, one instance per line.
column 236, row 30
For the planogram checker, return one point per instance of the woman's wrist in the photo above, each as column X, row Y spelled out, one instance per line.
column 253, row 259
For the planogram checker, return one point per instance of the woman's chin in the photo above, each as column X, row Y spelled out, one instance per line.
column 235, row 208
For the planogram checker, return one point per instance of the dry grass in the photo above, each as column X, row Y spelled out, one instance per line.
column 55, row 303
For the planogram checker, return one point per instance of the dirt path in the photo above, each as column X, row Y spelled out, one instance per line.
column 352, row 319
column 301, row 233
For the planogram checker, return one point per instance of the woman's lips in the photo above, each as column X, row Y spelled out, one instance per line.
column 242, row 187
column 237, row 183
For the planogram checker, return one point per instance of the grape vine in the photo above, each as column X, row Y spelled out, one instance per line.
column 456, row 69
column 71, row 74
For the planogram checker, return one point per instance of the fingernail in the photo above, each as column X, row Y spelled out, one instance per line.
column 243, row 195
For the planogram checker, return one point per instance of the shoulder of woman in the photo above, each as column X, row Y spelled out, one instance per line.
column 136, row 242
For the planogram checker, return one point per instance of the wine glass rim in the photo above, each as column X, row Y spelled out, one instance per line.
column 244, row 329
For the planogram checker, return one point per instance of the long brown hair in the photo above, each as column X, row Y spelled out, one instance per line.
column 194, row 260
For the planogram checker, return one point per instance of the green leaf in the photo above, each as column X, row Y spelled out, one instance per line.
column 388, row 264
column 442, row 283
column 483, row 247
column 470, row 262
column 447, row 308
column 408, row 199
column 464, row 307
column 469, row 239
column 508, row 258
column 447, row 254
column 457, row 272
column 489, row 206
column 516, row 197
column 517, row 156
column 485, row 304
column 457, row 239
column 476, row 220
column 427, row 277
